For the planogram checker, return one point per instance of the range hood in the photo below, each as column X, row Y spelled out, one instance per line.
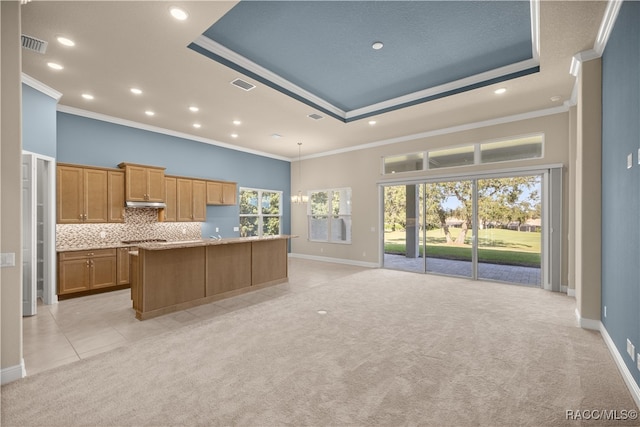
column 153, row 205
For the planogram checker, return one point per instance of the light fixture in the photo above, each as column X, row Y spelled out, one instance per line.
column 372, row 122
column 299, row 198
column 194, row 109
column 178, row 13
column 237, row 122
column 87, row 96
column 135, row 91
column 377, row 45
column 150, row 113
column 65, row 41
column 555, row 98
column 234, row 135
column 55, row 65
column 500, row 91
column 197, row 125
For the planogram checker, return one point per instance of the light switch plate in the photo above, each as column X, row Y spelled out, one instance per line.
column 236, row 228
column 639, row 156
column 8, row 259
column 629, row 160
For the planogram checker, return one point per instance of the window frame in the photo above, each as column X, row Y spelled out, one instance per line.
column 260, row 215
column 330, row 215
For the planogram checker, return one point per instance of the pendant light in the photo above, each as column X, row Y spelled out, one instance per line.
column 299, row 198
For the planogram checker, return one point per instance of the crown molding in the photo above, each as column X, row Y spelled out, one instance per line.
column 41, row 87
column 606, row 26
column 122, row 122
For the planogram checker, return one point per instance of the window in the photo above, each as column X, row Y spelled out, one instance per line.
column 329, row 215
column 260, row 212
column 519, row 148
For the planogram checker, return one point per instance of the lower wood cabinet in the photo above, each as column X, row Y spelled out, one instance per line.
column 86, row 270
column 123, row 276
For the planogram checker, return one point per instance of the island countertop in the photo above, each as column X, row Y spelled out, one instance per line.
column 159, row 246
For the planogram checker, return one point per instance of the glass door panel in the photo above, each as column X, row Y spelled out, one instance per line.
column 509, row 235
column 448, row 237
column 403, row 232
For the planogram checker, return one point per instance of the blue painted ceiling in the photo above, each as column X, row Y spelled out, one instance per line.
column 325, row 48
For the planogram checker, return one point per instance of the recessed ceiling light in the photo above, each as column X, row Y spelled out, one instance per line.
column 500, row 91
column 555, row 98
column 55, row 65
column 197, row 125
column 87, row 96
column 150, row 113
column 178, row 13
column 237, row 122
column 194, row 109
column 322, row 312
column 372, row 122
column 136, row 91
column 234, row 135
column 377, row 45
column 65, row 41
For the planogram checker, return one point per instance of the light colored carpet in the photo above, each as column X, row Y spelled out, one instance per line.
column 394, row 348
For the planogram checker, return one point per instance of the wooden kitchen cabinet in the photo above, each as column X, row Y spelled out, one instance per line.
column 115, row 180
column 86, row 270
column 143, row 183
column 82, row 195
column 169, row 213
column 221, row 193
column 123, row 276
column 191, row 195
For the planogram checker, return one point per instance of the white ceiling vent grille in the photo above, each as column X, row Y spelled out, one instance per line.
column 33, row 44
column 243, row 85
column 315, row 116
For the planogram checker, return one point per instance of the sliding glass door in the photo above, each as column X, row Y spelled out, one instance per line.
column 488, row 229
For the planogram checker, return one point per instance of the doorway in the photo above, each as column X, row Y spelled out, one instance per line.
column 38, row 222
column 485, row 228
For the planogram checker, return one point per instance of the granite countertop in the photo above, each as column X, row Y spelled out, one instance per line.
column 159, row 246
column 156, row 246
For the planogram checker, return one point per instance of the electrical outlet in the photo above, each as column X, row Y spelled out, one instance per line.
column 638, row 359
column 629, row 160
column 631, row 349
column 605, row 311
column 217, row 229
column 236, row 228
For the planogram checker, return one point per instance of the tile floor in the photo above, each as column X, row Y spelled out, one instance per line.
column 78, row 328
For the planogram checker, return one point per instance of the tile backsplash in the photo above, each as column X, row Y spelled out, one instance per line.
column 138, row 224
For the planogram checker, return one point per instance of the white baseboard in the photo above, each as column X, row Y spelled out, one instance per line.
column 591, row 324
column 622, row 367
column 13, row 373
column 571, row 292
column 335, row 260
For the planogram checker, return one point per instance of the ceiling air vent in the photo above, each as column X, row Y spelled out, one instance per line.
column 34, row 44
column 315, row 116
column 243, row 85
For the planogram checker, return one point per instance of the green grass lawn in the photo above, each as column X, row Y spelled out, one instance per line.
column 495, row 246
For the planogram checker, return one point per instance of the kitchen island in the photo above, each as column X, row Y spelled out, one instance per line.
column 173, row 276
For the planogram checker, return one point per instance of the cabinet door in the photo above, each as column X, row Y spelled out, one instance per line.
column 95, row 195
column 155, row 185
column 116, row 196
column 214, row 193
column 123, row 276
column 185, row 199
column 70, row 195
column 229, row 190
column 73, row 275
column 136, row 183
column 103, row 271
column 199, row 189
column 171, row 211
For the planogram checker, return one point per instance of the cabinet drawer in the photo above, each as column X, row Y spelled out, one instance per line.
column 93, row 253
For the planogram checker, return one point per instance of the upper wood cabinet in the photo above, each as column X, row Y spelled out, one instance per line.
column 82, row 195
column 169, row 214
column 221, row 193
column 115, row 206
column 191, row 196
column 143, row 183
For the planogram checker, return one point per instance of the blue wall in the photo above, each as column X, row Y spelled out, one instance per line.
column 93, row 142
column 38, row 122
column 620, row 186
